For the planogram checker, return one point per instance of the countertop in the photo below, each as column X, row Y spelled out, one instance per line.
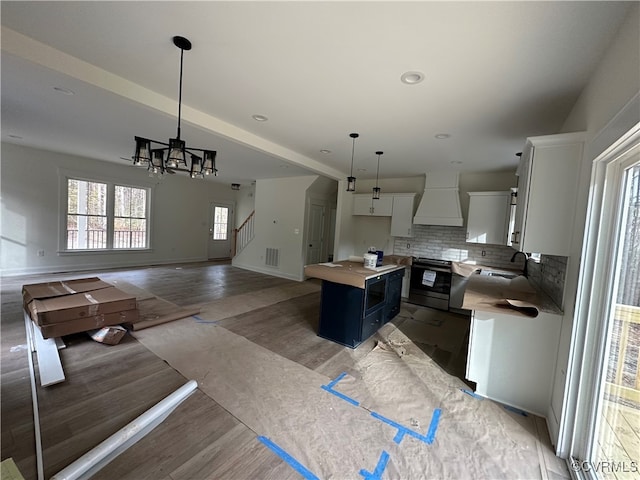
column 352, row 273
column 491, row 293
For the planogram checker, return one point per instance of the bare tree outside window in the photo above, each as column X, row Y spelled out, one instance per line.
column 86, row 215
column 130, row 222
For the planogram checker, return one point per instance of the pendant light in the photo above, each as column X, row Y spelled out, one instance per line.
column 376, row 189
column 202, row 164
column 351, row 180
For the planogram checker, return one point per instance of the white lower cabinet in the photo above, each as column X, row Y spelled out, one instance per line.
column 512, row 358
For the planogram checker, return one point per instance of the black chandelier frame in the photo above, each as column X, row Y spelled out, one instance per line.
column 203, row 163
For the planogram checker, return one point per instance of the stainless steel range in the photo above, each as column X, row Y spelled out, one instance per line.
column 430, row 283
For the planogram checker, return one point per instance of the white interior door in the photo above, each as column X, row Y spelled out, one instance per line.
column 315, row 229
column 220, row 222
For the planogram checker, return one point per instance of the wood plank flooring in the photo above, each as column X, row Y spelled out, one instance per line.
column 108, row 386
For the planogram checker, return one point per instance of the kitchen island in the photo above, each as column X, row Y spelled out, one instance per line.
column 356, row 301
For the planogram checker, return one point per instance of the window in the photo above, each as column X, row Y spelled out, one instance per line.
column 105, row 216
column 130, row 221
column 220, row 223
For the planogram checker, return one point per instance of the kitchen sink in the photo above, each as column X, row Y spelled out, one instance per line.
column 497, row 273
column 503, row 275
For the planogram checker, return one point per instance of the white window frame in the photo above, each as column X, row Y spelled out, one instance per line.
column 66, row 175
column 592, row 302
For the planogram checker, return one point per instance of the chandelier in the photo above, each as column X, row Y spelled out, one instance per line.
column 376, row 189
column 351, row 180
column 203, row 162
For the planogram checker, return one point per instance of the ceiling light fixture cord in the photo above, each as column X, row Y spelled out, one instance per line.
column 351, row 180
column 180, row 92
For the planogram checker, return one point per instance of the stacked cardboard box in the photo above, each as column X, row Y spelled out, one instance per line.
column 72, row 306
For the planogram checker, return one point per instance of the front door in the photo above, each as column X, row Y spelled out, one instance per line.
column 220, row 221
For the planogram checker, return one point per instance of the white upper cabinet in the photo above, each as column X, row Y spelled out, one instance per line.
column 548, row 177
column 488, row 219
column 402, row 216
column 363, row 204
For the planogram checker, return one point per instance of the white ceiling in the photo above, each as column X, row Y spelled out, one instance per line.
column 495, row 73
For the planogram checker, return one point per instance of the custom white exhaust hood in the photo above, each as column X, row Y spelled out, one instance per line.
column 440, row 202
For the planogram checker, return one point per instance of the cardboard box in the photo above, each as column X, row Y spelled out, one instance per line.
column 41, row 291
column 108, row 335
column 80, row 305
column 88, row 323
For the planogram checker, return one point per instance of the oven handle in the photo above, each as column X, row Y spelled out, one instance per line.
column 435, row 269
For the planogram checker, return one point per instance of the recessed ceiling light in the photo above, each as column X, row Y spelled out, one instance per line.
column 362, row 169
column 260, row 118
column 442, row 136
column 456, row 162
column 64, row 91
column 411, row 78
column 324, row 151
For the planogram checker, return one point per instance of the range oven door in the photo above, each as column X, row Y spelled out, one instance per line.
column 430, row 286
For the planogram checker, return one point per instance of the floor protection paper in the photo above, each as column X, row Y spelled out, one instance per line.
column 403, row 417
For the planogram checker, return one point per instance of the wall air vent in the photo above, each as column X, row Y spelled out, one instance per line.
column 272, row 257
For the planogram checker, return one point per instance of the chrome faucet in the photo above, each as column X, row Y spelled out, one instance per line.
column 525, row 272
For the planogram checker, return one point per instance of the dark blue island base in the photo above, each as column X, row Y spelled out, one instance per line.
column 349, row 315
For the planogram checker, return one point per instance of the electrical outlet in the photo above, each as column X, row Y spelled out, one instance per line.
column 408, row 245
column 484, row 253
column 41, row 253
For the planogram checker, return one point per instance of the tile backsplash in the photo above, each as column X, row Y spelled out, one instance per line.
column 449, row 243
column 549, row 275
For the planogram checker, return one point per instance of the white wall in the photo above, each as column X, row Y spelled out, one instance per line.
column 31, row 213
column 280, row 212
column 608, row 107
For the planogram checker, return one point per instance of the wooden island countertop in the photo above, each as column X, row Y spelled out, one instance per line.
column 353, row 273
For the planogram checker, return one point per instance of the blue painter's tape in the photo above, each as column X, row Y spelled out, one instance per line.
column 201, row 320
column 516, row 410
column 472, row 394
column 428, row 438
column 333, row 383
column 297, row 466
column 340, row 395
column 433, row 426
column 377, row 473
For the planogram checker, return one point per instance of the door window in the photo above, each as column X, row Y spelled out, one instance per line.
column 220, row 223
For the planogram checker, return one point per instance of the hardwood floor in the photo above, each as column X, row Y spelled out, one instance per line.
column 109, row 386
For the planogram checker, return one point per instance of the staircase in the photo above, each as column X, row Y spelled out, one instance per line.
column 243, row 235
